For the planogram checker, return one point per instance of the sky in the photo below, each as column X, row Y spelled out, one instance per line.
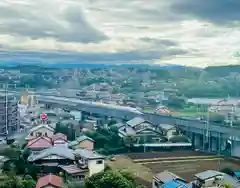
column 187, row 32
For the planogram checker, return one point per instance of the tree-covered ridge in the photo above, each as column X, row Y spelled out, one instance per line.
column 219, row 81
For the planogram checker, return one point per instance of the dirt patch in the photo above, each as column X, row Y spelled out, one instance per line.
column 166, row 154
column 125, row 163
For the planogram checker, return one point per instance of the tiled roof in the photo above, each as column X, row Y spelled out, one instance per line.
column 136, row 121
column 71, row 169
column 39, row 142
column 55, row 150
column 51, row 180
column 207, row 174
column 166, row 126
column 59, row 136
column 88, row 154
column 127, row 130
column 41, row 126
column 80, row 139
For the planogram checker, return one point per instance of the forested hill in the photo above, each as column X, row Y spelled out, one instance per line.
column 223, row 70
column 217, row 81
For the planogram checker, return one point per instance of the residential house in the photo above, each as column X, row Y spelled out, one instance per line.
column 60, row 139
column 93, row 160
column 87, row 163
column 39, row 143
column 88, row 126
column 82, row 142
column 143, row 131
column 168, row 130
column 50, row 181
column 50, row 158
column 176, row 184
column 208, row 178
column 40, row 130
column 74, row 172
column 165, row 177
column 139, row 123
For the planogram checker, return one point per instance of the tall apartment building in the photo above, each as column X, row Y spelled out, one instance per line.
column 9, row 114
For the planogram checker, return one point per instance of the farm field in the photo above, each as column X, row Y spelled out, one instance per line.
column 183, row 163
column 187, row 169
column 150, row 155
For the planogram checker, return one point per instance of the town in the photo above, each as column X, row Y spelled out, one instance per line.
column 87, row 129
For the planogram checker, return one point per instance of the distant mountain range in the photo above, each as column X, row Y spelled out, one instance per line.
column 87, row 65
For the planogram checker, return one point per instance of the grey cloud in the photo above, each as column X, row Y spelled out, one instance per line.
column 216, row 11
column 20, row 22
column 68, row 57
column 159, row 42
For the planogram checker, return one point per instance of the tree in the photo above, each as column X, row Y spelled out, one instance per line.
column 227, row 170
column 11, row 153
column 216, row 118
column 68, row 130
column 112, row 122
column 176, row 102
column 28, row 183
column 109, row 179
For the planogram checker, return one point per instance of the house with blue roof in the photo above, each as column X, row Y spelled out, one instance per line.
column 176, row 184
column 236, row 174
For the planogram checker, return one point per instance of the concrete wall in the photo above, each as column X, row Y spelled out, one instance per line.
column 94, row 167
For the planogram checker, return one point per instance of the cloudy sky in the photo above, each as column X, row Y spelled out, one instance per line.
column 187, row 32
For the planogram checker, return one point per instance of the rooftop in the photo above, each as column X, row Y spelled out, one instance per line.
column 41, row 126
column 167, row 176
column 49, row 180
column 72, row 169
column 208, row 174
column 55, row 150
column 39, row 142
column 135, row 121
column 88, row 154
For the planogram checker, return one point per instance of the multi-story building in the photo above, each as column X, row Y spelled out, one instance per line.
column 9, row 115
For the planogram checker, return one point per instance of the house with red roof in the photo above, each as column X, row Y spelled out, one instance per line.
column 50, row 181
column 39, row 143
column 59, row 139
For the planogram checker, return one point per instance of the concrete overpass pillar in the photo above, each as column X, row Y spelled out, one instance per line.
column 197, row 141
column 214, row 144
column 235, row 148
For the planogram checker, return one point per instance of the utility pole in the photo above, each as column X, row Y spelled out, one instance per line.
column 144, row 143
column 219, row 149
column 207, row 128
column 6, row 109
column 231, row 125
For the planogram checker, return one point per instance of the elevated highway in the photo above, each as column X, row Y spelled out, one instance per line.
column 195, row 126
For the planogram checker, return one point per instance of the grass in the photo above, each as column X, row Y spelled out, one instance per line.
column 181, row 113
column 125, row 163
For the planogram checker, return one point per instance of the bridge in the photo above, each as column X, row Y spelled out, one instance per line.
column 201, row 133
column 128, row 113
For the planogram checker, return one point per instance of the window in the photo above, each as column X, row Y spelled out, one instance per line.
column 46, row 134
column 31, row 134
column 99, row 162
column 156, row 183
